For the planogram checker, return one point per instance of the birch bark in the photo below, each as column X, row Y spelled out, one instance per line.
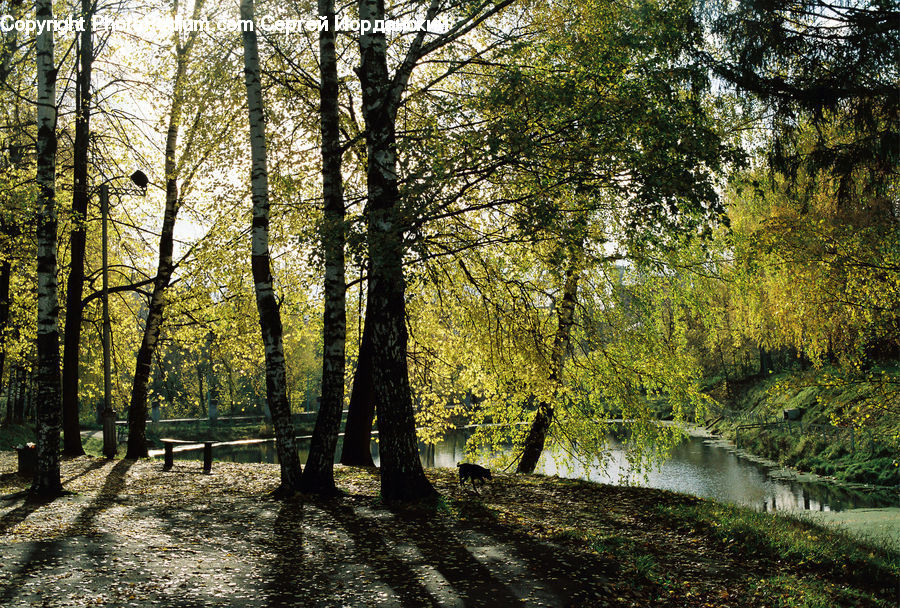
column 46, row 479
column 137, row 411
column 267, row 305
column 402, row 477
column 319, row 473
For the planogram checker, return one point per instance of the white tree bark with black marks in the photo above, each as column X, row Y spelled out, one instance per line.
column 137, row 412
column 402, row 477
column 266, row 303
column 47, row 412
column 319, row 474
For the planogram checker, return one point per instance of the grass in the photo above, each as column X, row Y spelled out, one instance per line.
column 789, row 591
column 13, row 435
column 204, row 430
column 611, row 545
column 807, row 546
column 92, row 446
column 879, row 466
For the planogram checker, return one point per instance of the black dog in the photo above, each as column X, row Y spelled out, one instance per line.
column 472, row 472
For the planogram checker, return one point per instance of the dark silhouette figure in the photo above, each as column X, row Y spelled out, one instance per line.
column 473, row 473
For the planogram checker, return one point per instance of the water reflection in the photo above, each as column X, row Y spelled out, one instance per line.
column 696, row 466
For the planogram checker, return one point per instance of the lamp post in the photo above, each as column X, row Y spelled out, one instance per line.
column 108, row 416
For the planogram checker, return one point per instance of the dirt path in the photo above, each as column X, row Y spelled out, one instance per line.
column 132, row 535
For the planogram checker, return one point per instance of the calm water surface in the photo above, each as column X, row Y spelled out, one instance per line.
column 697, row 466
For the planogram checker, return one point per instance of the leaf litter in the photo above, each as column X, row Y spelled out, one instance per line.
column 129, row 534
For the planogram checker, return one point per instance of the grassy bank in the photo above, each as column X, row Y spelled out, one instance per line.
column 16, row 434
column 190, row 539
column 864, row 451
column 20, row 434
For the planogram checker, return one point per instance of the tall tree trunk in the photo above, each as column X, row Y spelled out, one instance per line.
column 201, row 392
column 46, row 478
column 9, row 227
column 7, row 420
column 543, row 417
column 19, row 387
column 28, row 405
column 77, row 238
column 137, row 411
column 5, row 274
column 765, row 361
column 23, row 379
column 267, row 305
column 319, row 474
column 402, row 477
column 357, row 450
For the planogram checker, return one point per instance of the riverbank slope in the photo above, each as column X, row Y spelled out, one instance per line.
column 844, row 430
column 130, row 534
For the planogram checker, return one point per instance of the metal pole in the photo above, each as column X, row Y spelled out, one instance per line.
column 109, row 416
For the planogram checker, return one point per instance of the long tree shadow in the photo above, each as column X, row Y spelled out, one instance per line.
column 441, row 547
column 99, row 463
column 371, row 548
column 577, row 579
column 19, row 514
column 289, row 579
column 44, row 553
column 32, row 503
column 108, row 494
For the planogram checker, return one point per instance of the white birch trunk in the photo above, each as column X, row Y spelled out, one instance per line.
column 267, row 305
column 137, row 412
column 319, row 474
column 49, row 404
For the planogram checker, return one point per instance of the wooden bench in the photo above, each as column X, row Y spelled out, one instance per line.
column 169, row 457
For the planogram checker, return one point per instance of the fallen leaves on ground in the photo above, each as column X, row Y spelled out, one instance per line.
column 129, row 534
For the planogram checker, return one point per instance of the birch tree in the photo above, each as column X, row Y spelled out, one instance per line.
column 137, row 412
column 402, row 477
column 357, row 450
column 266, row 302
column 543, row 416
column 46, row 478
column 319, row 474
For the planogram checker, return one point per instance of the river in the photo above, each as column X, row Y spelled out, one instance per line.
column 699, row 466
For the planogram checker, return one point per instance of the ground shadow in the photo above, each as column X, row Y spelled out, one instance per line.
column 289, row 579
column 20, row 513
column 44, row 553
column 576, row 578
column 442, row 548
column 371, row 549
column 108, row 494
column 99, row 463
